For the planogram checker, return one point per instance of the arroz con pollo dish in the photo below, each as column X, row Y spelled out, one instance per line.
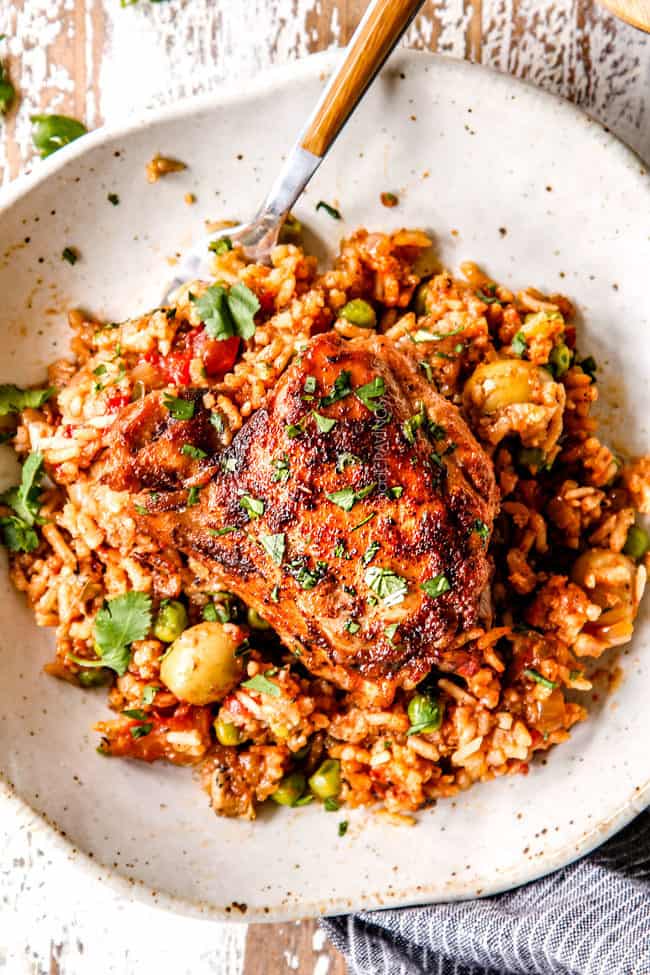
column 345, row 537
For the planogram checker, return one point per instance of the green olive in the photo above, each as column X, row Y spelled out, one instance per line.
column 170, row 621
column 227, row 733
column 360, row 313
column 290, row 789
column 200, row 666
column 326, row 780
column 637, row 542
column 255, row 621
column 503, row 382
column 425, row 714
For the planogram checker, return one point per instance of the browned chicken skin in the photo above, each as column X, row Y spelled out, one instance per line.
column 340, row 580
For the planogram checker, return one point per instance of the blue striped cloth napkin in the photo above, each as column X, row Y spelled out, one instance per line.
column 591, row 918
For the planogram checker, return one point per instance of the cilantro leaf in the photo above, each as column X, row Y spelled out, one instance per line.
column 262, row 685
column 148, row 694
column 370, row 553
column 180, row 409
column 140, row 730
column 274, row 546
column 371, row 392
column 436, row 586
column 347, row 497
column 13, row 399
column 243, row 305
column 481, row 529
column 121, row 621
column 330, row 210
column 24, row 499
column 324, row 423
column 254, row 506
column 519, row 344
column 17, row 536
column 390, row 587
column 194, row 452
column 227, row 313
column 340, row 390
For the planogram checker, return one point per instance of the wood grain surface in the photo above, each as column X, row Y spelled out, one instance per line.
column 98, row 61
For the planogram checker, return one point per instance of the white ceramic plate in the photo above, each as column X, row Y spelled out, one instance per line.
column 501, row 173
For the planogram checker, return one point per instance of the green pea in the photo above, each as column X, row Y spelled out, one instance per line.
column 220, row 246
column 560, row 359
column 425, row 714
column 420, row 302
column 170, row 621
column 360, row 313
column 290, row 789
column 637, row 542
column 255, row 621
column 326, row 780
column 227, row 733
column 96, row 677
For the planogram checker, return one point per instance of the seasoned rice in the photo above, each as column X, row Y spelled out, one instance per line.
column 563, row 589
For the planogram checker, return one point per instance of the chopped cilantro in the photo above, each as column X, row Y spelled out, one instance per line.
column 519, row 344
column 346, row 459
column 309, row 388
column 226, row 530
column 140, row 730
column 427, row 370
column 275, row 594
column 17, row 536
column 488, row 299
column 343, row 827
column 537, row 677
column 296, row 429
column 390, row 587
column 305, row 577
column 370, row 553
column 226, row 313
column 414, row 423
column 148, row 694
column 194, row 452
column 390, row 631
column 372, row 391
column 282, row 471
column 347, row 497
column 396, row 491
column 589, row 366
column 136, row 713
column 373, row 514
column 114, row 199
column 351, row 626
column 192, row 496
column 274, row 546
column 324, row 423
column 121, row 621
column 216, row 420
column 435, row 586
column 70, row 255
column 481, row 529
column 180, row 409
column 340, row 390
column 330, row 210
column 331, row 804
column 24, row 498
column 262, row 685
column 254, row 506
column 210, row 613
column 52, row 132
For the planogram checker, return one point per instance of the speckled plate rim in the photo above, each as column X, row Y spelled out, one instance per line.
column 38, row 825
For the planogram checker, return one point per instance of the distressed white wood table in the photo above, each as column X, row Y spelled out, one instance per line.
column 98, row 61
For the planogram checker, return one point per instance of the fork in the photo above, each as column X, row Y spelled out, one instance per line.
column 381, row 27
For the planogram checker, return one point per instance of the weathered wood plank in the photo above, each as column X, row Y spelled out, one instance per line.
column 297, row 949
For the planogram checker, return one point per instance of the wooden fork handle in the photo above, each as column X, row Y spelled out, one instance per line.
column 382, row 26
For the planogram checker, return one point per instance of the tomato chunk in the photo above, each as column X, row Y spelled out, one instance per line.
column 219, row 355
